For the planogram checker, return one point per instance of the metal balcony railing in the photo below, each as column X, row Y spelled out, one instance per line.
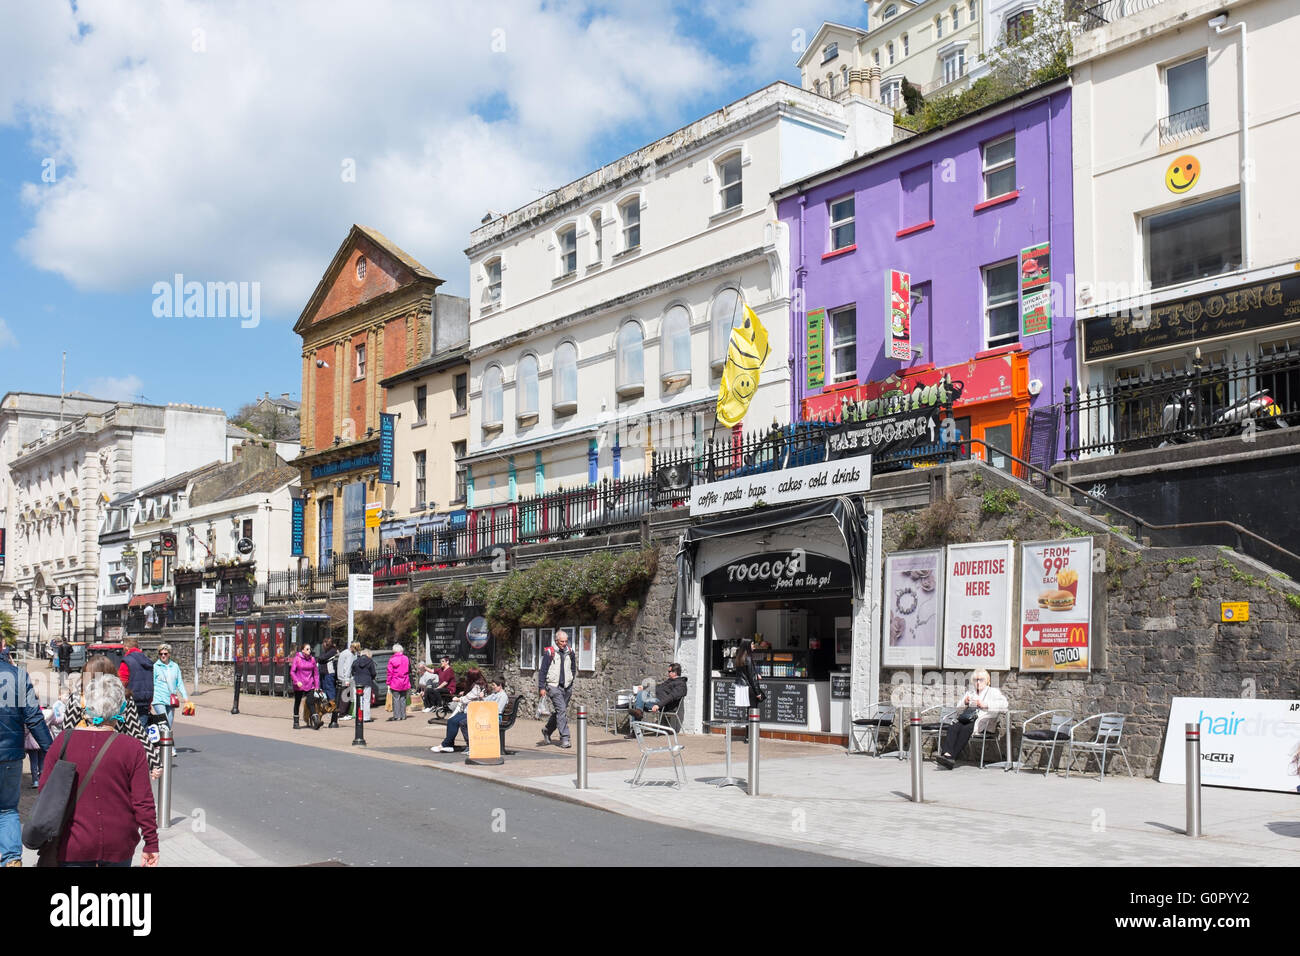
column 1184, row 123
column 1100, row 14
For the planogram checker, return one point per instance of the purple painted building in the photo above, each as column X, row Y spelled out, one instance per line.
column 964, row 211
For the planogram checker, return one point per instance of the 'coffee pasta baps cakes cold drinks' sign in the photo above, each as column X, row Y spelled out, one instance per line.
column 1055, row 605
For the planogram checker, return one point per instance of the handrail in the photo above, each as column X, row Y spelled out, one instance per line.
column 1140, row 523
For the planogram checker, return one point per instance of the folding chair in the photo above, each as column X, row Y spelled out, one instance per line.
column 1108, row 741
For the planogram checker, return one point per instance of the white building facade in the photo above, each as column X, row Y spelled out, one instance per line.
column 600, row 314
column 1184, row 122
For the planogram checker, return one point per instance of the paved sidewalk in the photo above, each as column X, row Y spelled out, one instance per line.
column 821, row 799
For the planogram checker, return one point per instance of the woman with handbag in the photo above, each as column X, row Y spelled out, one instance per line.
column 168, row 685
column 982, row 705
column 745, row 673
column 111, row 806
column 399, row 681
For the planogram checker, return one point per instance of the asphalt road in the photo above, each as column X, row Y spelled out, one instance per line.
column 297, row 805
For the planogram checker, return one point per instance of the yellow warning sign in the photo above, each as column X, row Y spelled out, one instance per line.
column 1234, row 612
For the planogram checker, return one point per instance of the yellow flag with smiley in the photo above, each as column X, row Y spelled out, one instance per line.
column 746, row 351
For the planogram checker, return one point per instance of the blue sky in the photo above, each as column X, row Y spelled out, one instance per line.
column 213, row 140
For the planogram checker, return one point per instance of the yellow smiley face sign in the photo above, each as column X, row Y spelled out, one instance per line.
column 1183, row 173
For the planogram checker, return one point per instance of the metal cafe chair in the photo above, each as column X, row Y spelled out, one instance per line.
column 1107, row 742
column 881, row 720
column 1053, row 732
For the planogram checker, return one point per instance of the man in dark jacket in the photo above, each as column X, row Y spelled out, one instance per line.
column 667, row 694
column 555, row 676
column 136, row 673
column 363, row 676
column 19, row 710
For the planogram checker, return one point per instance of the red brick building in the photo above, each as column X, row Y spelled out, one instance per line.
column 368, row 319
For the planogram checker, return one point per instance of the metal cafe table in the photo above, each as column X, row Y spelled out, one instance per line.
column 727, row 727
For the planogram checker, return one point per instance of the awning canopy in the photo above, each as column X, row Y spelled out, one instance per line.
column 843, row 511
column 158, row 597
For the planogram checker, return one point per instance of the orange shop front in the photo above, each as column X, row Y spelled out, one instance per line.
column 990, row 399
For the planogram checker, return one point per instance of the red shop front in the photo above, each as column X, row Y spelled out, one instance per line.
column 992, row 403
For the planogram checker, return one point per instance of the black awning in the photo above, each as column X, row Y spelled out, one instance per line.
column 843, row 511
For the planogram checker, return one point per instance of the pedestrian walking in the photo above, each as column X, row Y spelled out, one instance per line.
column 328, row 666
column 399, row 681
column 35, row 752
column 343, row 680
column 364, row 678
column 168, row 685
column 136, row 675
column 555, row 677
column 115, row 809
column 70, row 712
column 306, row 679
column 19, row 712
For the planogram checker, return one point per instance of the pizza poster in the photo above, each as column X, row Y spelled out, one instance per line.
column 1055, row 605
column 977, row 606
column 1035, row 289
column 898, row 315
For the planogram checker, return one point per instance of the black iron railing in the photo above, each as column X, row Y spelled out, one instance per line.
column 1184, row 123
column 1100, row 14
column 1212, row 401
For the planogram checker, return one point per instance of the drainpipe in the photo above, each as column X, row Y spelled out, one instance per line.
column 798, row 319
column 1247, row 165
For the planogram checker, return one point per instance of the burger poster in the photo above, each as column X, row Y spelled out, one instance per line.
column 1055, row 605
column 913, row 608
column 898, row 315
column 977, row 606
column 1035, row 290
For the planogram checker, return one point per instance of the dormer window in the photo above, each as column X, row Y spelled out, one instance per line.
column 889, row 11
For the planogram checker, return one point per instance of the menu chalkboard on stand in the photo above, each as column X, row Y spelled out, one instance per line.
column 840, row 686
column 784, row 702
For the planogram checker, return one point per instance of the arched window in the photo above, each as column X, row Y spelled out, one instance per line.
column 938, row 26
column 567, row 239
column 630, row 362
column 492, row 402
column 526, row 387
column 844, row 76
column 675, row 345
column 564, row 379
column 890, row 11
column 597, row 235
column 905, row 46
column 889, row 51
column 956, row 14
column 723, row 313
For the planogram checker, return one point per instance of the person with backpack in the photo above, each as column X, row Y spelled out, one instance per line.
column 136, row 675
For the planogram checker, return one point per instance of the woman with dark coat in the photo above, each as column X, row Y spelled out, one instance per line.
column 745, row 673
column 363, row 676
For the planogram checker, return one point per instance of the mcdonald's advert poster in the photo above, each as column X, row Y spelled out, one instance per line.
column 1056, row 605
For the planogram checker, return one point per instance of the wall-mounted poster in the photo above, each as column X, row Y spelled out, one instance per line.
column 913, row 618
column 1035, row 290
column 898, row 315
column 816, row 356
column 545, row 639
column 587, row 648
column 1055, row 605
column 1245, row 743
column 528, row 649
column 977, row 606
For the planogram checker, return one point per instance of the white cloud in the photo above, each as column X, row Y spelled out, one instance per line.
column 7, row 337
column 225, row 163
column 123, row 389
column 778, row 31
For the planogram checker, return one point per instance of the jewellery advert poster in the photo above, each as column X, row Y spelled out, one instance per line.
column 914, row 612
column 1055, row 605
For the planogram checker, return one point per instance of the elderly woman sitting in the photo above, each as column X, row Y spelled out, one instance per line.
column 116, row 809
column 983, row 705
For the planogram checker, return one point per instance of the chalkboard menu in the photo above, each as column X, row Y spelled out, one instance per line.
column 840, row 684
column 785, row 702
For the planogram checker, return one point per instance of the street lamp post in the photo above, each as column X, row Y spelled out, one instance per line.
column 18, row 602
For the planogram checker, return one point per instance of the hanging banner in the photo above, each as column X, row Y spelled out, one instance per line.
column 1247, row 743
column 1056, row 605
column 894, row 433
column 977, row 606
column 898, row 315
column 386, row 447
column 816, row 348
column 913, row 608
column 297, row 525
column 1035, row 290
column 374, row 513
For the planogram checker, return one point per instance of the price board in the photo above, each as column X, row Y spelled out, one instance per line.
column 1056, row 605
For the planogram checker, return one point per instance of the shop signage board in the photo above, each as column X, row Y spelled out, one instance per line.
column 880, row 436
column 386, row 420
column 914, row 589
column 977, row 606
column 1056, row 605
column 775, row 573
column 205, row 600
column 374, row 513
column 1194, row 319
column 825, row 480
column 361, row 592
column 898, row 315
column 355, row 463
column 841, row 685
column 1247, row 743
column 297, row 527
column 461, row 632
column 1035, row 290
column 816, row 345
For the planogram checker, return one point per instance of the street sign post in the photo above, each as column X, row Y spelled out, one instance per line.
column 361, row 597
column 205, row 602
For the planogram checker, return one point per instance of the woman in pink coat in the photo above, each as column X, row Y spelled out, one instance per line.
column 399, row 681
column 306, row 678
